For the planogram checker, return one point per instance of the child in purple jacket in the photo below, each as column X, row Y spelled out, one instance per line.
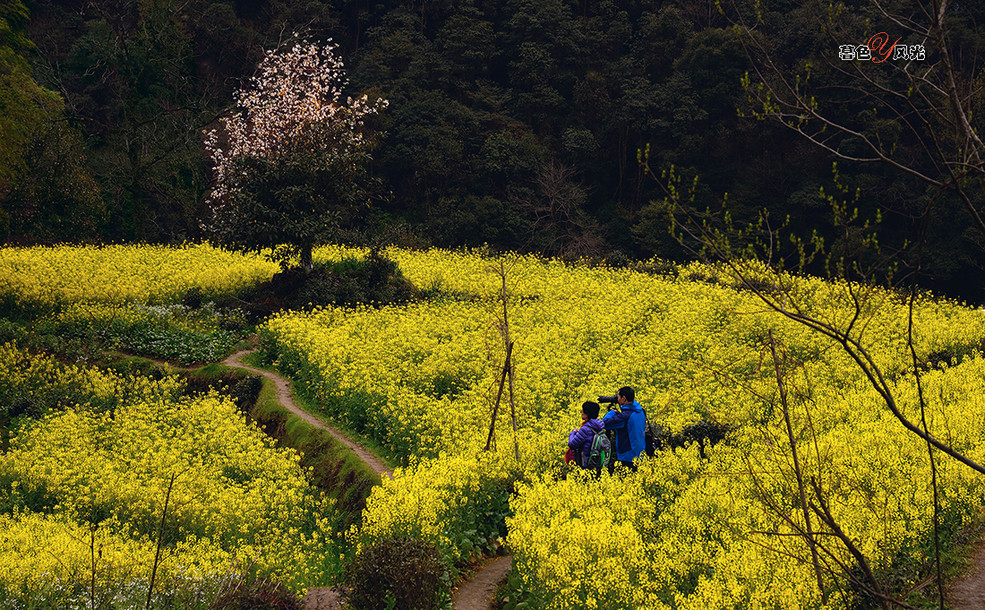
column 580, row 440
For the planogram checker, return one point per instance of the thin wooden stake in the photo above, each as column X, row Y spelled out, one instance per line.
column 504, row 331
column 499, row 395
column 92, row 559
column 160, row 540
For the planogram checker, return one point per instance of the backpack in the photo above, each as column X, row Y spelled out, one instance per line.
column 651, row 436
column 600, row 455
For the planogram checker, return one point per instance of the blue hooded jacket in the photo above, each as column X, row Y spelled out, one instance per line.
column 630, row 427
column 581, row 439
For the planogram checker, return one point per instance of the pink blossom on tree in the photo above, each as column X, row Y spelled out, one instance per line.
column 292, row 157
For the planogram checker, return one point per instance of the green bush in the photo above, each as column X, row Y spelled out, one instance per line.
column 397, row 573
column 346, row 283
column 11, row 331
column 350, row 282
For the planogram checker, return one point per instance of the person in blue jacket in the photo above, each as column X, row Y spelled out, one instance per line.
column 580, row 440
column 629, row 422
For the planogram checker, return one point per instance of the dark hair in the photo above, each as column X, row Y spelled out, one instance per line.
column 591, row 409
column 627, row 393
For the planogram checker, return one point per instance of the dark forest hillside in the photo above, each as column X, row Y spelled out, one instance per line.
column 515, row 123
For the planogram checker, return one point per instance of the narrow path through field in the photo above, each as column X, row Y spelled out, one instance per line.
column 968, row 592
column 477, row 593
column 474, row 594
column 283, row 387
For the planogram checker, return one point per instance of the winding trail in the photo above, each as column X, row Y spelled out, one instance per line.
column 474, row 594
column 283, row 387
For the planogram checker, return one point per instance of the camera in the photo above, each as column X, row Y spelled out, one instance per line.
column 609, row 399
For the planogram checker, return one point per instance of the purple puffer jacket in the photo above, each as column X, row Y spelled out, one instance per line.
column 580, row 440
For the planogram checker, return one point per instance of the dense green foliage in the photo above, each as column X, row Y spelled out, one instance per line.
column 374, row 280
column 511, row 123
column 45, row 191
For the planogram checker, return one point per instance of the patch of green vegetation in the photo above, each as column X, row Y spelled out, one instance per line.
column 373, row 280
column 399, row 572
column 177, row 333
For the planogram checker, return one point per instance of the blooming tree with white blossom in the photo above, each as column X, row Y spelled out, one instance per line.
column 290, row 163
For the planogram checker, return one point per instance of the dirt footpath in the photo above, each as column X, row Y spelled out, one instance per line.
column 284, row 396
column 477, row 593
column 968, row 592
column 474, row 594
column 322, row 599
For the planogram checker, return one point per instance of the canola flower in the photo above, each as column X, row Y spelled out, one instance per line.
column 682, row 532
column 50, row 561
column 231, row 486
column 46, row 279
column 107, row 470
column 457, row 502
column 43, row 383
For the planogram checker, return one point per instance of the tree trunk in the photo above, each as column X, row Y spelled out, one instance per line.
column 306, row 263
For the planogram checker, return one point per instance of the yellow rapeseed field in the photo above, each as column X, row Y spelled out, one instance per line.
column 47, row 278
column 683, row 532
column 695, row 527
column 93, row 475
